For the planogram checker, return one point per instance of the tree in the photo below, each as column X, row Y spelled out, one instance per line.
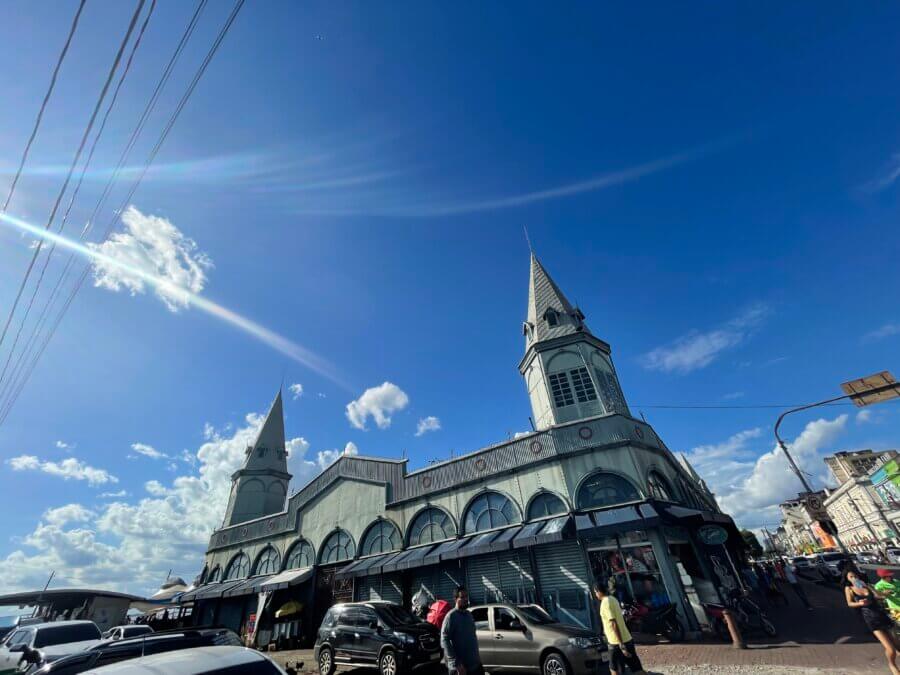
column 752, row 543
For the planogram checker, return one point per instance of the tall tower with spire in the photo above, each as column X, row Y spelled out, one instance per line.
column 568, row 371
column 260, row 486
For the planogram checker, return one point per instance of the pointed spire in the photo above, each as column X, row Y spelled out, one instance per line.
column 270, row 440
column 544, row 301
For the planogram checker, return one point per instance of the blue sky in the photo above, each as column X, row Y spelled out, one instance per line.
column 716, row 186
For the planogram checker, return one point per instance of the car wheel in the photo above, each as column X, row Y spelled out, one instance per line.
column 387, row 664
column 555, row 664
column 326, row 661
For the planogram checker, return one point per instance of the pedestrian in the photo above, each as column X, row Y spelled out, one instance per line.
column 790, row 574
column 890, row 589
column 458, row 638
column 622, row 653
column 863, row 597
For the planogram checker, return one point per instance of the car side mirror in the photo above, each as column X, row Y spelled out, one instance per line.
column 515, row 624
column 373, row 625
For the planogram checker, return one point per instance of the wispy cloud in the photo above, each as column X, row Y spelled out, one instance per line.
column 733, row 396
column 698, row 349
column 296, row 390
column 887, row 330
column 68, row 469
column 148, row 451
column 889, row 175
column 426, row 424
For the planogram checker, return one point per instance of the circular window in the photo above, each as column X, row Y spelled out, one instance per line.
column 223, row 539
column 585, row 433
column 271, row 525
column 480, row 464
column 244, row 531
column 426, row 482
column 536, row 447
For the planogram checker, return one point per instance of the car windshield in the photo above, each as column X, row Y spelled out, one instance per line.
column 57, row 635
column 396, row 615
column 832, row 557
column 535, row 614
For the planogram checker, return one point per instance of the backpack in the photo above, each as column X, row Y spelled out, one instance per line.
column 438, row 611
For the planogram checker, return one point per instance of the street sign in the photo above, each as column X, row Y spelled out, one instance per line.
column 872, row 389
column 712, row 535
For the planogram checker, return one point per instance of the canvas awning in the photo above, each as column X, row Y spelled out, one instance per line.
column 211, row 591
column 433, row 557
column 249, row 586
column 452, row 552
column 543, row 532
column 415, row 557
column 287, row 578
column 393, row 560
column 363, row 566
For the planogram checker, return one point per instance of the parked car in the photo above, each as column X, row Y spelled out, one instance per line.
column 115, row 651
column 867, row 558
column 830, row 564
column 379, row 634
column 199, row 661
column 120, row 632
column 17, row 622
column 525, row 638
column 801, row 562
column 45, row 642
column 893, row 555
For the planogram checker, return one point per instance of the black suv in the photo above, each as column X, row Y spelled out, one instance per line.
column 378, row 634
column 113, row 651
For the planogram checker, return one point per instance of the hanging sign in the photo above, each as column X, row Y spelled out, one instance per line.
column 712, row 535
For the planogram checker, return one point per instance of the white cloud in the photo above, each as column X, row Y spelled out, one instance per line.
column 62, row 445
column 296, row 390
column 68, row 469
column 114, row 495
column 70, row 513
column 426, row 424
column 889, row 176
column 378, row 403
column 154, row 246
column 148, row 451
column 328, row 457
column 863, row 416
column 698, row 349
column 885, row 331
column 155, row 488
column 748, row 485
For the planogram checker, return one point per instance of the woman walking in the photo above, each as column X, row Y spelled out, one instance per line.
column 863, row 597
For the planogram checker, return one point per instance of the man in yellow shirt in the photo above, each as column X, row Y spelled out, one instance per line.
column 622, row 653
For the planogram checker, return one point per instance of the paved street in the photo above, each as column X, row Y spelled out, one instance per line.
column 829, row 639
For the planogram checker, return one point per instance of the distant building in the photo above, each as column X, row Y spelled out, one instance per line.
column 886, row 481
column 804, row 521
column 862, row 516
column 592, row 494
column 856, row 463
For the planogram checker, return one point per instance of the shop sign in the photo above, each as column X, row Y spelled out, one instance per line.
column 712, row 535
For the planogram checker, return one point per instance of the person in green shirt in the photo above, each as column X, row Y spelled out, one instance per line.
column 621, row 647
column 891, row 590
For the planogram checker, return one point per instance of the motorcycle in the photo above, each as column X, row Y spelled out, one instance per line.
column 749, row 615
column 662, row 620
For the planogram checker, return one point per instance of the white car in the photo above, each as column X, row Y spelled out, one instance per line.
column 120, row 632
column 893, row 555
column 198, row 661
column 46, row 642
column 801, row 562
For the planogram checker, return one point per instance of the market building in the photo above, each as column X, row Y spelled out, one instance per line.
column 592, row 494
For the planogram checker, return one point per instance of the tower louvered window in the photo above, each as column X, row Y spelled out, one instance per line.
column 584, row 388
column 562, row 390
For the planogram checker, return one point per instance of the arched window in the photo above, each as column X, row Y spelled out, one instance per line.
column 382, row 537
column 202, row 578
column 605, row 489
column 300, row 555
column 431, row 525
column 339, row 546
column 490, row 510
column 268, row 562
column 214, row 575
column 238, row 568
column 545, row 504
column 659, row 487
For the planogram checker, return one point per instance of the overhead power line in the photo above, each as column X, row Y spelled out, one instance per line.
column 12, row 392
column 75, row 159
column 74, row 196
column 712, row 406
column 40, row 115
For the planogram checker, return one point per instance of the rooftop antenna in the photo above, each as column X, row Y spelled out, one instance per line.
column 528, row 239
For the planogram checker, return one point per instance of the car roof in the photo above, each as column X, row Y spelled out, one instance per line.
column 184, row 662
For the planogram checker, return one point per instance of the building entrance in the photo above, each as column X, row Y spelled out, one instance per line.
column 628, row 565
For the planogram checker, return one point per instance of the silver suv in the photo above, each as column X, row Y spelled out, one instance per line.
column 524, row 638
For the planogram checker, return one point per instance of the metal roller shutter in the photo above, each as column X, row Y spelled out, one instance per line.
column 391, row 589
column 423, row 579
column 447, row 577
column 483, row 575
column 379, row 587
column 565, row 582
column 501, row 577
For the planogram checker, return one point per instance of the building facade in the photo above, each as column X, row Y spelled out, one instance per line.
column 806, row 522
column 857, row 508
column 592, row 494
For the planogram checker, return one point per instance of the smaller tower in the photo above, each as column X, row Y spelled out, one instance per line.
column 260, row 486
column 568, row 370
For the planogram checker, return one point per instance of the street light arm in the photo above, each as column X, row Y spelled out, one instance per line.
column 803, row 407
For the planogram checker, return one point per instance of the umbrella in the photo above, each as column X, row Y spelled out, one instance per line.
column 288, row 608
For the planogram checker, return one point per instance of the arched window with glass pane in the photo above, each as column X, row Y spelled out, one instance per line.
column 238, row 568
column 490, row 510
column 381, row 537
column 214, row 575
column 605, row 489
column 268, row 562
column 300, row 555
column 339, row 546
column 545, row 504
column 659, row 487
column 431, row 525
